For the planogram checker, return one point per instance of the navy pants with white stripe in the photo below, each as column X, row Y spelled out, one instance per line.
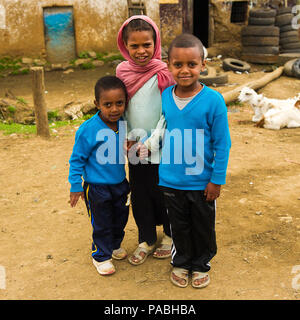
column 106, row 205
column 192, row 221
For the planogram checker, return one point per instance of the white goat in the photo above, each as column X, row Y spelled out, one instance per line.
column 272, row 113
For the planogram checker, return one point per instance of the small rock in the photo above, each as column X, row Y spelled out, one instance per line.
column 98, row 63
column 49, row 256
column 27, row 60
column 39, row 62
column 68, row 71
column 56, row 66
column 258, row 213
column 78, row 62
column 92, row 54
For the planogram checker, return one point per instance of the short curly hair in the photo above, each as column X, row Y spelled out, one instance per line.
column 186, row 40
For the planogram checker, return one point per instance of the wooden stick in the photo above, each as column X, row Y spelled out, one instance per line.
column 256, row 84
column 38, row 90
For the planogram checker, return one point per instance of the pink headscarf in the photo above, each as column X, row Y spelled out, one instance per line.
column 135, row 76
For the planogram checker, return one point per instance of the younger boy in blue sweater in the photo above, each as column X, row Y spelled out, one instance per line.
column 194, row 161
column 98, row 158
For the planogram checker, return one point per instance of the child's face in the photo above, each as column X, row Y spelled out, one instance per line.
column 186, row 64
column 111, row 105
column 140, row 45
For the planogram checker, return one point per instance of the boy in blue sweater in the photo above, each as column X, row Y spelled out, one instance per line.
column 194, row 161
column 98, row 158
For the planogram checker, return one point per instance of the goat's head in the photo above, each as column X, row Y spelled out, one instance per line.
column 246, row 94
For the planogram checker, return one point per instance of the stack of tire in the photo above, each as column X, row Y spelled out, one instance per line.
column 260, row 38
column 289, row 39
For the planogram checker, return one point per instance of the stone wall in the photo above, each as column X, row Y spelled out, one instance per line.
column 96, row 24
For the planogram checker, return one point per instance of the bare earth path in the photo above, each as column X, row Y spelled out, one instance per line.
column 46, row 245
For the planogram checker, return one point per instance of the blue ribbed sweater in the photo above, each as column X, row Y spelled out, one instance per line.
column 97, row 155
column 196, row 142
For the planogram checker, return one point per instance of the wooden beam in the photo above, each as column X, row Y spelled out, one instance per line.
column 255, row 84
column 38, row 90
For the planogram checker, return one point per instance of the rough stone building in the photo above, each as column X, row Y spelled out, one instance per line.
column 61, row 29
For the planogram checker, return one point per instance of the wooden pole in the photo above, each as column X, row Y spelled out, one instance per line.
column 256, row 84
column 38, row 90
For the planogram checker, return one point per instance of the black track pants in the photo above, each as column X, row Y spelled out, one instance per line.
column 147, row 202
column 192, row 221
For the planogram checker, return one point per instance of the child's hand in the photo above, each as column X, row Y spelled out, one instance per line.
column 74, row 197
column 142, row 151
column 127, row 145
column 212, row 191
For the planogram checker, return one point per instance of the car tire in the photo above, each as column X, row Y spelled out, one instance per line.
column 261, row 50
column 261, row 21
column 260, row 41
column 287, row 70
column 283, row 19
column 261, row 13
column 268, row 31
column 231, row 64
column 286, row 34
column 213, row 77
column 288, row 40
column 296, row 68
column 284, row 10
column 292, row 45
column 286, row 28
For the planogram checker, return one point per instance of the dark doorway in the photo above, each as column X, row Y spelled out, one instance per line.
column 201, row 20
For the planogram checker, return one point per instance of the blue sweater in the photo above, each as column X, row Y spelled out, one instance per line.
column 196, row 142
column 97, row 155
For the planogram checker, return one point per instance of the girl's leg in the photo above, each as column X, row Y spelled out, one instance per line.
column 142, row 203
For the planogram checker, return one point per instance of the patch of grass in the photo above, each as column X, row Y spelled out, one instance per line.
column 53, row 115
column 113, row 57
column 11, row 109
column 10, row 128
column 27, row 129
column 83, row 55
column 87, row 66
column 22, row 100
column 235, row 103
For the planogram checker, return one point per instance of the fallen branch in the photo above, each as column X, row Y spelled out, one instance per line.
column 255, row 84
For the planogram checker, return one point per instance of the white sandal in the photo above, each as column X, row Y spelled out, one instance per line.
column 143, row 247
column 105, row 268
column 166, row 245
column 196, row 275
column 119, row 254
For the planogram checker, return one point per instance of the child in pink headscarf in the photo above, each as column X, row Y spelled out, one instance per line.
column 145, row 76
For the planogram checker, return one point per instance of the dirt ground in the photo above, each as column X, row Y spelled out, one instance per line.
column 46, row 245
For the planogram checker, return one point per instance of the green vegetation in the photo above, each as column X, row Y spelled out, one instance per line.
column 87, row 65
column 11, row 127
column 235, row 103
column 12, row 66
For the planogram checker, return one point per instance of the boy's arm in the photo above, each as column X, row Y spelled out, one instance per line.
column 80, row 154
column 221, row 144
